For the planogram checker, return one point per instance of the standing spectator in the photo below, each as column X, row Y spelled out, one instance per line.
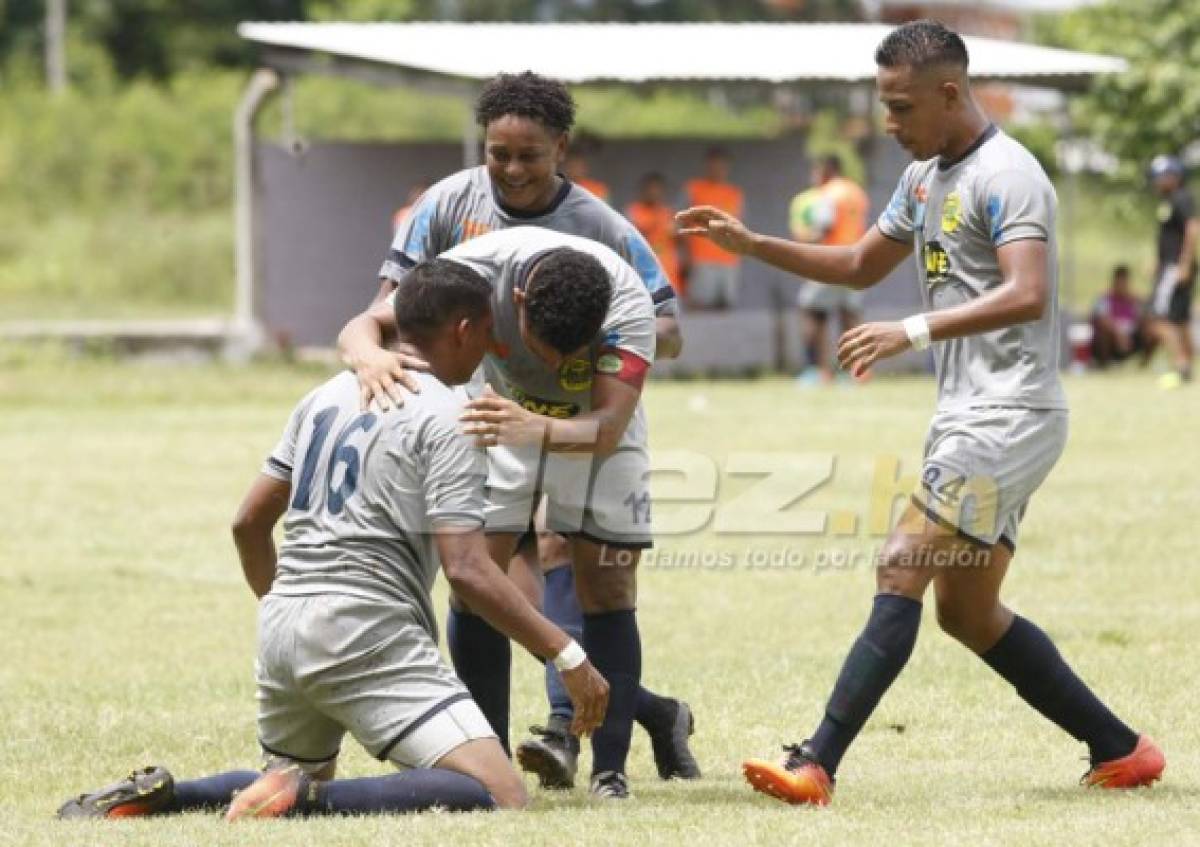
column 1117, row 327
column 410, row 202
column 578, row 170
column 712, row 277
column 655, row 220
column 833, row 212
column 1171, row 302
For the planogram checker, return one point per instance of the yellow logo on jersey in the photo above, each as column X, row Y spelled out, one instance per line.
column 937, row 263
column 575, row 375
column 950, row 209
column 542, row 406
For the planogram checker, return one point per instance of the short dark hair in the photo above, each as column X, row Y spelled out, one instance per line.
column 922, row 44
column 567, row 298
column 717, row 152
column 652, row 177
column 526, row 95
column 832, row 161
column 1120, row 270
column 437, row 291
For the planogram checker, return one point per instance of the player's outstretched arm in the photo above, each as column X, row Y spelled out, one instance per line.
column 491, row 594
column 380, row 372
column 858, row 265
column 261, row 508
column 1020, row 298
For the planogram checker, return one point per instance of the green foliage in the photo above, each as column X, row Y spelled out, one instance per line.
column 660, row 113
column 1155, row 106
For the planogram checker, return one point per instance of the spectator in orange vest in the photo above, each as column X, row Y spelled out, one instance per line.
column 414, row 194
column 833, row 212
column 655, row 220
column 578, row 170
column 712, row 277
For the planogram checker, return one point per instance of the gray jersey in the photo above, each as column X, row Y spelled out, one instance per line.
column 464, row 205
column 505, row 258
column 366, row 489
column 957, row 217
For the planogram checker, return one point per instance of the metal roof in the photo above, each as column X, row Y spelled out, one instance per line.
column 649, row 52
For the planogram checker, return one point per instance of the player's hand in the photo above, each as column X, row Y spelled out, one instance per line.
column 382, row 373
column 589, row 695
column 493, row 420
column 720, row 227
column 866, row 344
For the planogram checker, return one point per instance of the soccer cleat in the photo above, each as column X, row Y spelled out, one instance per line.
column 553, row 755
column 672, row 756
column 610, row 785
column 1170, row 381
column 273, row 795
column 800, row 779
column 1142, row 767
column 143, row 792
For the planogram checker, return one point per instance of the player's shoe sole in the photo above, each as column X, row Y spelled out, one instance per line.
column 672, row 756
column 143, row 792
column 272, row 795
column 1142, row 767
column 553, row 764
column 807, row 785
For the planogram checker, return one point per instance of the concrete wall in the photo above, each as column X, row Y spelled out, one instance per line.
column 325, row 215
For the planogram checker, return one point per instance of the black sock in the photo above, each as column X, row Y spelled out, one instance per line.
column 482, row 658
column 652, row 711
column 1028, row 659
column 874, row 662
column 612, row 643
column 209, row 793
column 409, row 791
column 561, row 608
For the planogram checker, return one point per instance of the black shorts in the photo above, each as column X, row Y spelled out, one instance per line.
column 1176, row 307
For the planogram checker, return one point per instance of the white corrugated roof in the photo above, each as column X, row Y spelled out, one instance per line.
column 632, row 53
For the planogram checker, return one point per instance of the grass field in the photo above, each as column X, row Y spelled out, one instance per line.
column 128, row 637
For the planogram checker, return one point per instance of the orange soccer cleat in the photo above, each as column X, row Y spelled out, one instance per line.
column 800, row 779
column 1142, row 767
column 272, row 795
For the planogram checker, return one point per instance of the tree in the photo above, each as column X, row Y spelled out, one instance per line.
column 1154, row 107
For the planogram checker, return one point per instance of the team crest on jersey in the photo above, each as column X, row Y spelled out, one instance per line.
column 575, row 375
column 950, row 210
column 937, row 263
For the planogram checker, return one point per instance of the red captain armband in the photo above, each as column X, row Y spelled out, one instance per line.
column 628, row 367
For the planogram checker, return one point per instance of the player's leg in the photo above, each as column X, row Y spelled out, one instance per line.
column 816, row 322
column 606, row 582
column 153, row 791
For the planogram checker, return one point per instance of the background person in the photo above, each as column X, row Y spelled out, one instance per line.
column 1118, row 329
column 712, row 274
column 1175, row 276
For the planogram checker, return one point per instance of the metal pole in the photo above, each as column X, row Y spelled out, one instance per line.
column 56, row 50
column 246, row 326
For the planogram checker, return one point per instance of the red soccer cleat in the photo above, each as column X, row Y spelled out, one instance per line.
column 800, row 779
column 272, row 795
column 1142, row 767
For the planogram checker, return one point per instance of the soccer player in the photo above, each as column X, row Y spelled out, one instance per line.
column 832, row 212
column 979, row 213
column 562, row 417
column 1175, row 278
column 527, row 121
column 347, row 637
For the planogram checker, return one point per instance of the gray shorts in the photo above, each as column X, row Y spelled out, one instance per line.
column 330, row 664
column 983, row 465
column 713, row 286
column 604, row 499
column 818, row 297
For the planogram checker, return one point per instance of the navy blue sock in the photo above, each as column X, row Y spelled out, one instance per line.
column 209, row 793
column 408, row 791
column 561, row 607
column 652, row 711
column 874, row 662
column 1028, row 659
column 482, row 658
column 612, row 643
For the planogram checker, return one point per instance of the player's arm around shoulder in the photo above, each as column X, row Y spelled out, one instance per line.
column 380, row 371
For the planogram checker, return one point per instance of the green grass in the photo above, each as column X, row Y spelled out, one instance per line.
column 128, row 637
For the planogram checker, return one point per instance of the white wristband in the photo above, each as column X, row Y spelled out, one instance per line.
column 571, row 657
column 917, row 330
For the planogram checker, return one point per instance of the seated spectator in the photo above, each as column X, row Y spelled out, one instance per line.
column 1118, row 324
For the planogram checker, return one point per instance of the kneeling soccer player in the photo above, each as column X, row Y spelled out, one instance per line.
column 980, row 212
column 574, row 338
column 346, row 632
